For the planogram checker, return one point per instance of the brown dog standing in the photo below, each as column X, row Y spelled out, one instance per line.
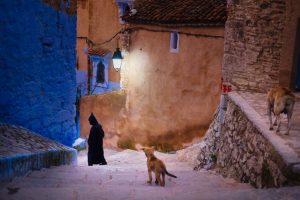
column 280, row 100
column 157, row 166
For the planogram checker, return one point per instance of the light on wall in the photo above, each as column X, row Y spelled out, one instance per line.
column 117, row 59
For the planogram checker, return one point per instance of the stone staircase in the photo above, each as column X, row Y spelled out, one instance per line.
column 125, row 178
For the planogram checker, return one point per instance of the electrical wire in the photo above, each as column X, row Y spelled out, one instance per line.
column 170, row 31
column 133, row 29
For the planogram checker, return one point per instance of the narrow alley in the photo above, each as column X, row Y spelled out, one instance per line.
column 187, row 77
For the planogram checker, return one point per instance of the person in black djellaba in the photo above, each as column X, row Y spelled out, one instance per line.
column 95, row 142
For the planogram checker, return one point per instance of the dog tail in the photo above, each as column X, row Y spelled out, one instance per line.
column 170, row 174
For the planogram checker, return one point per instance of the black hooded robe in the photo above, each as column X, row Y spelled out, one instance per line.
column 95, row 141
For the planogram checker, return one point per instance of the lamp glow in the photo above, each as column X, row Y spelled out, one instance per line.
column 117, row 59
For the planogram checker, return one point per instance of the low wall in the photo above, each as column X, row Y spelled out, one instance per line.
column 245, row 154
column 22, row 150
column 241, row 146
column 249, row 152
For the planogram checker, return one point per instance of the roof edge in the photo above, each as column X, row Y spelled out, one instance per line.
column 179, row 24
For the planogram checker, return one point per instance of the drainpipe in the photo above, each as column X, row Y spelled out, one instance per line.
column 226, row 88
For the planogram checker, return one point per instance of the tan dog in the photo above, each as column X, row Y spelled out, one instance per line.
column 280, row 100
column 157, row 166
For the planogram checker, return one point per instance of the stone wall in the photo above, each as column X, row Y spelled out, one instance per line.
column 253, row 43
column 37, row 68
column 239, row 145
column 245, row 154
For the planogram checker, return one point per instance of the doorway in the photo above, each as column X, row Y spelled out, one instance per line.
column 297, row 78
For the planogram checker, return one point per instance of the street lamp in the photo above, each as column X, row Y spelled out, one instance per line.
column 117, row 59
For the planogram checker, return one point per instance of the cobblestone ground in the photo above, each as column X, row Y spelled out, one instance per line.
column 259, row 102
column 125, row 178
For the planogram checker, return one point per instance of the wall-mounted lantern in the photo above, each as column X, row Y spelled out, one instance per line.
column 117, row 59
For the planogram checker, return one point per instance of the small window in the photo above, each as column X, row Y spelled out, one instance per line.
column 100, row 77
column 174, row 42
column 124, row 9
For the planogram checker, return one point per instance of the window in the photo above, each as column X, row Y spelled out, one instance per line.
column 100, row 76
column 174, row 42
column 123, row 10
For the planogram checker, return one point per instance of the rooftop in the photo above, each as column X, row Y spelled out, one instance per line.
column 195, row 13
column 97, row 51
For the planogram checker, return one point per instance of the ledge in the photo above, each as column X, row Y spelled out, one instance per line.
column 288, row 155
column 22, row 151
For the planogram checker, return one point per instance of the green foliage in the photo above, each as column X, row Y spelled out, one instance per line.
column 163, row 147
column 126, row 143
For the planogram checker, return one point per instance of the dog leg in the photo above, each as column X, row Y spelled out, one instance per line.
column 157, row 175
column 289, row 116
column 275, row 122
column 279, row 123
column 270, row 115
column 150, row 177
column 163, row 178
column 288, row 129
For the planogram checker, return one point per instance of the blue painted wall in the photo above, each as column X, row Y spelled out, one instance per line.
column 37, row 68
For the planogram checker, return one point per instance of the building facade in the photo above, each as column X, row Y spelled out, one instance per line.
column 171, row 73
column 174, row 70
column 97, row 22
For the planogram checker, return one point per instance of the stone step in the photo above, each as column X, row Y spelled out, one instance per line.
column 89, row 182
column 32, row 182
